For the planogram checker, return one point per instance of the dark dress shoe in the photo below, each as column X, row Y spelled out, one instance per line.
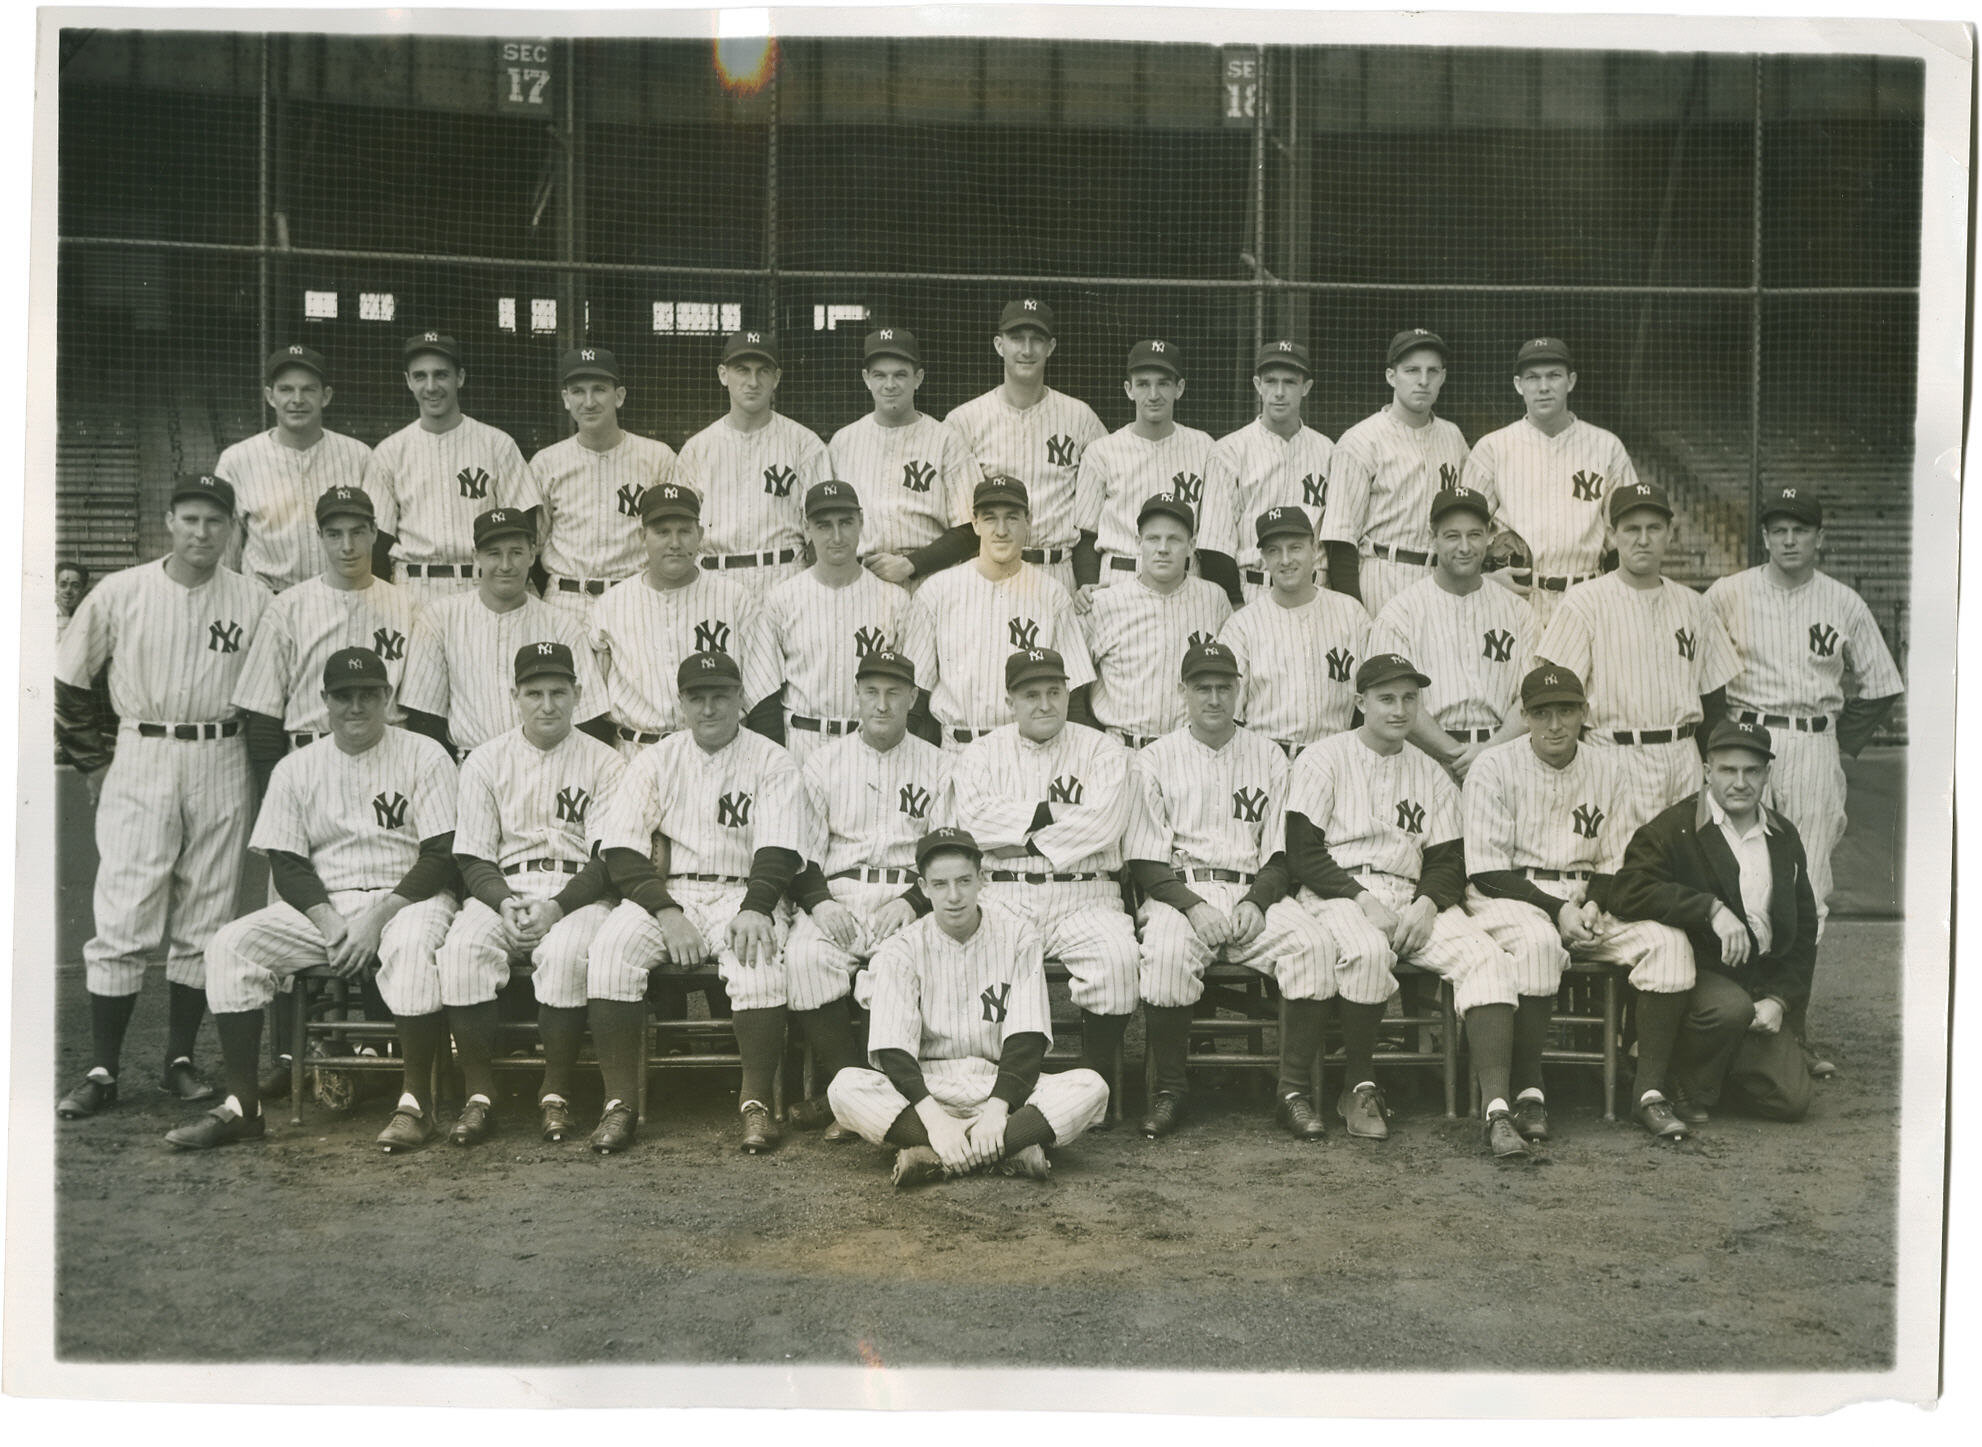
column 1531, row 1118
column 1298, row 1117
column 1503, row 1139
column 472, row 1127
column 1164, row 1110
column 218, row 1127
column 182, row 1080
column 614, row 1132
column 758, row 1133
column 87, row 1099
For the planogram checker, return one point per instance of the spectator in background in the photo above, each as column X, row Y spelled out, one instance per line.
column 71, row 582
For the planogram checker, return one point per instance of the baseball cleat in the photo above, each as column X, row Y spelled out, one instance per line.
column 836, row 1133
column 1688, row 1110
column 1297, row 1116
column 182, row 1080
column 915, row 1166
column 1364, row 1113
column 275, row 1082
column 1029, row 1162
column 1822, row 1067
column 758, row 1133
column 1655, row 1115
column 1164, row 1109
column 1531, row 1117
column 408, row 1130
column 87, row 1099
column 615, row 1129
column 472, row 1128
column 1503, row 1139
column 556, row 1116
column 218, row 1127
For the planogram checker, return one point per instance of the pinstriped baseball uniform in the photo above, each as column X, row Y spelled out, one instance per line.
column 952, row 1006
column 716, row 810
column 1299, row 664
column 462, row 671
column 1378, row 813
column 914, row 481
column 434, row 484
column 1522, row 813
column 753, row 486
column 1041, row 446
column 813, row 635
column 642, row 633
column 275, row 498
column 1136, row 638
column 592, row 512
column 960, row 627
column 1081, row 775
column 866, row 810
column 1384, row 475
column 1252, row 471
column 173, row 816
column 521, row 805
column 359, row 820
column 1645, row 656
column 1119, row 473
column 283, row 676
column 1798, row 653
column 1474, row 647
column 1198, row 808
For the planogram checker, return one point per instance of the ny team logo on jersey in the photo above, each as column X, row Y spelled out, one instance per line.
column 474, row 482
column 1340, row 661
column 1065, row 790
column 997, row 1000
column 918, row 476
column 733, row 811
column 1314, row 490
column 389, row 644
column 1448, row 476
column 779, row 479
column 1588, row 819
column 1060, row 450
column 1189, row 488
column 629, row 499
column 1499, row 645
column 1249, row 805
column 1823, row 639
column 868, row 640
column 572, row 804
column 712, row 636
column 223, row 637
column 1684, row 638
column 1025, row 633
column 1588, row 486
column 1410, row 817
column 390, row 813
column 915, row 801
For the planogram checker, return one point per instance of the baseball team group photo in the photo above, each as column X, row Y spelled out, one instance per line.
column 761, row 702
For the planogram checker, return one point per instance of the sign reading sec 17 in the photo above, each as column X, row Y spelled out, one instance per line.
column 523, row 75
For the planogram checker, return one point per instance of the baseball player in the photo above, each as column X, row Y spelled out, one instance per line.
column 1152, row 454
column 914, row 472
column 1385, row 472
column 1024, row 429
column 1543, row 846
column 433, row 477
column 817, row 626
column 961, row 626
column 456, row 672
column 357, row 829
column 1652, row 654
column 1049, row 804
column 1207, row 848
column 173, row 804
column 751, row 468
column 960, row 1027
column 1547, row 477
column 733, row 812
column 278, row 475
column 1474, row 640
column 71, row 583
column 533, row 889
column 1373, row 841
column 1297, row 644
column 1275, row 460
column 1137, row 633
column 592, row 483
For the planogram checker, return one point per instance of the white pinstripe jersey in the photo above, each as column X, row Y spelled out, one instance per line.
column 1136, row 638
column 175, row 653
column 1384, row 476
column 813, row 635
column 914, row 481
column 303, row 626
column 753, row 484
column 465, row 670
column 275, row 499
column 520, row 802
column 1552, row 490
column 642, row 633
column 1645, row 655
column 1080, row 774
column 960, row 627
column 592, row 504
column 1521, row 813
column 1041, row 446
column 717, row 810
column 1801, row 651
column 1378, row 810
column 868, row 807
column 1203, row 808
column 1474, row 647
column 1298, row 665
column 358, row 818
column 1254, row 470
column 941, row 1000
column 1121, row 471
column 435, row 484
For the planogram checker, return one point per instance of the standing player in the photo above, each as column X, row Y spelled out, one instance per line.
column 278, row 475
column 1386, row 470
column 1276, row 460
column 914, row 472
column 1297, row 644
column 1137, row 633
column 1547, row 477
column 1207, row 846
column 1652, row 654
column 1024, row 429
column 751, row 468
column 173, row 805
column 433, row 477
column 592, row 483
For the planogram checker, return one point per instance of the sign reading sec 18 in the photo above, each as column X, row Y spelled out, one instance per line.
column 1238, row 77
column 523, row 75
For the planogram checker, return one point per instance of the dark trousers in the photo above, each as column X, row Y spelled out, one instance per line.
column 1717, row 1053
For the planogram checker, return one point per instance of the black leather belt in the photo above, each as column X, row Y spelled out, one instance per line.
column 1256, row 575
column 1654, row 736
column 1045, row 555
column 191, row 732
column 720, row 562
column 1135, row 741
column 303, row 738
column 1410, row 556
column 831, row 727
column 543, row 866
column 594, row 586
column 1817, row 725
column 438, row 570
column 876, row 876
column 1012, row 876
column 1557, row 873
column 711, row 878
column 967, row 736
column 1372, row 869
column 1562, row 585
column 1469, row 736
column 1119, row 563
column 1216, row 876
column 634, row 736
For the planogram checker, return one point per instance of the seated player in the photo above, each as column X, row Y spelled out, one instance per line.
column 359, row 833
column 960, row 1027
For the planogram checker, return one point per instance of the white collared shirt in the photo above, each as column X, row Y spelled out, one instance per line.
column 1751, row 857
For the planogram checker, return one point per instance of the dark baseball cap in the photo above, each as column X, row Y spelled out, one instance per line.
column 1452, row 499
column 346, row 502
column 533, row 659
column 432, row 342
column 1283, row 354
column 670, row 500
column 1544, row 349
column 1732, row 733
column 1280, row 522
column 950, row 838
column 1166, row 504
column 707, row 669
column 295, row 355
column 354, row 668
column 891, row 342
column 503, row 522
column 1204, row 658
column 831, row 496
column 1796, row 501
column 1409, row 341
column 1551, row 684
column 1384, row 668
column 588, row 362
column 751, row 344
column 1158, row 355
column 216, row 490
column 1000, row 488
column 1028, row 312
column 1030, row 663
column 885, row 663
column 1633, row 496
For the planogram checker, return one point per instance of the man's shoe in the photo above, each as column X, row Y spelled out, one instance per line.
column 1298, row 1117
column 218, row 1127
column 915, row 1165
column 1364, row 1113
column 1531, row 1118
column 1655, row 1115
column 1029, row 1162
column 1164, row 1109
column 472, row 1128
column 406, row 1131
column 275, row 1081
column 1689, row 1110
column 557, row 1117
column 1503, row 1139
column 182, row 1080
column 614, row 1132
column 758, row 1132
column 835, row 1133
column 1822, row 1067
column 87, row 1099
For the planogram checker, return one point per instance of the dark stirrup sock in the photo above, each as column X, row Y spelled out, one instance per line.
column 1532, row 1018
column 241, row 1051
column 1490, row 1039
column 908, row 1130
column 829, row 1031
column 1028, row 1127
column 1359, row 1026
column 1167, row 1030
column 1300, row 1042
column 1101, row 1043
column 185, row 1007
column 1659, row 1020
column 420, row 1039
column 619, row 1035
column 760, row 1039
column 474, row 1028
column 562, row 1029
column 109, row 1018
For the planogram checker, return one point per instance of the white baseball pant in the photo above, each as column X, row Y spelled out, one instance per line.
column 1458, row 949
column 250, row 958
column 1806, row 786
column 1082, row 925
column 867, row 1103
column 1658, row 956
column 817, row 971
column 475, row 961
column 1654, row 777
column 627, row 948
column 1291, row 948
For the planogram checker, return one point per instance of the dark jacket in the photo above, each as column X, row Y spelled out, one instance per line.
column 1679, row 864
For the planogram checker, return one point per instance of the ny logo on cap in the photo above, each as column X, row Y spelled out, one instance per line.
column 752, row 337
column 295, row 349
column 354, row 665
column 1030, row 305
column 588, row 355
column 1789, row 492
column 887, row 334
column 342, row 494
column 708, row 663
column 1035, row 655
column 1551, row 680
column 1286, row 346
column 1156, row 346
column 429, row 336
column 1419, row 332
column 544, row 650
column 1539, row 342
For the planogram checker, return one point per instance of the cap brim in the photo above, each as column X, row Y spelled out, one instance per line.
column 181, row 494
column 1657, row 507
column 1382, row 678
column 498, row 534
column 1211, row 670
column 276, row 369
column 757, row 352
column 669, row 514
column 1035, row 674
column 1019, row 324
column 550, row 670
column 910, row 357
column 1540, row 357
column 1554, row 695
column 1266, row 537
column 347, row 510
column 599, row 372
column 1427, row 346
column 1478, row 510
column 433, row 349
column 1283, row 361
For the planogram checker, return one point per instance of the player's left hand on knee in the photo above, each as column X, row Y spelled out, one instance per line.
column 837, row 923
column 752, row 939
column 986, row 1137
column 1247, row 921
column 891, row 917
column 1414, row 924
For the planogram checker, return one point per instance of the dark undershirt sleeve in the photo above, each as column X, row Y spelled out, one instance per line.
column 917, row 900
column 590, row 885
column 432, row 872
column 1312, row 865
column 633, row 875
column 1018, row 1067
column 1080, row 707
column 1713, row 708
column 483, row 880
column 79, row 728
column 427, row 725
column 268, row 741
column 1041, row 817
column 296, row 882
column 1513, row 884
column 1344, row 568
column 1087, row 562
column 768, row 717
column 1600, row 887
column 1273, row 883
column 1861, row 719
column 382, row 556
column 922, row 723
column 771, row 874
column 600, row 728
column 959, row 543
column 904, row 1072
column 809, row 889
column 1442, row 875
column 1159, row 881
column 1222, row 569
